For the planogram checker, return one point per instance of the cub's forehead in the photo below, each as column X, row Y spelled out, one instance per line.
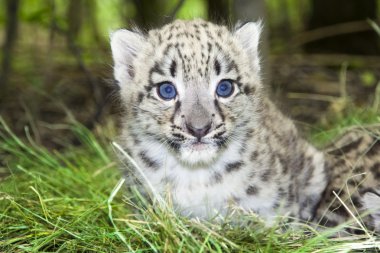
column 194, row 44
column 193, row 35
column 196, row 29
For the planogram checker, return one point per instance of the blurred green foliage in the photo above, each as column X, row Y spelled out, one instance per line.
column 282, row 17
column 112, row 14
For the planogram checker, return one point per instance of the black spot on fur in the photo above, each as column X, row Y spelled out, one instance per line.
column 346, row 149
column 218, row 126
column 140, row 97
column 231, row 65
column 234, row 166
column 339, row 210
column 128, row 151
column 217, row 178
column 250, row 133
column 217, row 67
column 207, row 63
column 254, row 156
column 356, row 201
column 149, row 87
column 217, row 106
column 252, row 190
column 284, row 163
column 209, row 47
column 175, row 146
column 179, row 136
column 220, row 142
column 281, row 193
column 291, row 195
column 173, row 68
column 249, row 90
column 157, row 69
column 266, row 175
column 218, row 46
column 176, row 127
column 159, row 38
column 327, row 222
column 167, row 48
column 272, row 160
column 375, row 149
column 176, row 108
column 136, row 140
column 375, row 169
column 219, row 135
column 148, row 161
column 252, row 174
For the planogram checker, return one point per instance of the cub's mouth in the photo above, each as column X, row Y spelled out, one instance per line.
column 199, row 151
column 199, row 145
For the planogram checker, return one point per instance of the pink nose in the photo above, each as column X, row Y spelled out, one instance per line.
column 198, row 132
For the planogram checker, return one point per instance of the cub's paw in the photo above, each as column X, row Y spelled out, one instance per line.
column 371, row 203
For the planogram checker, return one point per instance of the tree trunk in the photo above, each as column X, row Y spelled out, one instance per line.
column 328, row 13
column 12, row 7
column 219, row 11
column 90, row 11
column 150, row 13
column 254, row 10
column 74, row 16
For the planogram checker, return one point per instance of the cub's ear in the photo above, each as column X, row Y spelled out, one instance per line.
column 125, row 46
column 248, row 35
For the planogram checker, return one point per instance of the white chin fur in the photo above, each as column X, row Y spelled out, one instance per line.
column 198, row 154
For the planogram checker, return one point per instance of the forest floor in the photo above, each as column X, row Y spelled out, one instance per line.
column 60, row 187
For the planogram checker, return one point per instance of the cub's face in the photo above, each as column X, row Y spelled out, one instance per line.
column 192, row 86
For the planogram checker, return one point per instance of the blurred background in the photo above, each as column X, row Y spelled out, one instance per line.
column 321, row 58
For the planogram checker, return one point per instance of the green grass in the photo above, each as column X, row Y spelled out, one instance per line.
column 73, row 201
column 355, row 117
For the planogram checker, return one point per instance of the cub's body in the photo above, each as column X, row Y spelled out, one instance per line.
column 204, row 133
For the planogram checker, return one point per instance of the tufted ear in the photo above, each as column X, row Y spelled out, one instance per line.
column 248, row 35
column 125, row 46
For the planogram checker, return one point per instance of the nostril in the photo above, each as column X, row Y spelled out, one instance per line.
column 198, row 132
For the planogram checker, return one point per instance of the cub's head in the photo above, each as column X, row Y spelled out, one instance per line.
column 192, row 86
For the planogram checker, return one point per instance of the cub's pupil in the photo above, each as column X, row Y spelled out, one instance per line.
column 168, row 89
column 223, row 87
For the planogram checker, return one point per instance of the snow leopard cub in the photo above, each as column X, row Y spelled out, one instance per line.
column 200, row 126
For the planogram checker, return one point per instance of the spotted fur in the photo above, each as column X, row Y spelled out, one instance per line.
column 207, row 151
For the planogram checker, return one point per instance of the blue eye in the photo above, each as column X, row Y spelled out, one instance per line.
column 225, row 88
column 166, row 91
